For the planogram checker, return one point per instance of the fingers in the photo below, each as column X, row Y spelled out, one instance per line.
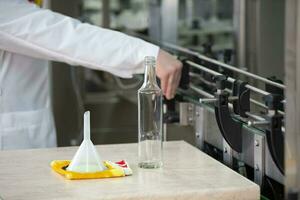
column 170, row 87
column 164, row 84
column 173, row 86
column 178, row 77
column 171, row 83
column 169, row 71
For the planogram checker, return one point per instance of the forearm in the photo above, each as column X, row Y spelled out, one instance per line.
column 40, row 33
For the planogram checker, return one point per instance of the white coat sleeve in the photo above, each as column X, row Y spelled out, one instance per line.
column 29, row 30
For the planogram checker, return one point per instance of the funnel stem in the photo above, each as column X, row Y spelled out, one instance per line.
column 86, row 122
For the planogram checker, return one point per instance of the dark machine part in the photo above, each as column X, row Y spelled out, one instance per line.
column 293, row 195
column 172, row 116
column 227, row 58
column 230, row 129
column 207, row 49
column 242, row 105
column 274, row 134
column 271, row 189
column 227, row 55
column 195, row 26
column 185, row 77
column 220, row 82
column 275, row 90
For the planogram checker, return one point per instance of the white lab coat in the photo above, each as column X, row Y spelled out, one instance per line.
column 29, row 36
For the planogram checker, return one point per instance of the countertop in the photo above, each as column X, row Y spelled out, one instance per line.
column 187, row 174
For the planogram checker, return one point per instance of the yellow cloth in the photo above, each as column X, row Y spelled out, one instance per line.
column 60, row 166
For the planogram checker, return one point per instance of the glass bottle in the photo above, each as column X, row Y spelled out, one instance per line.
column 150, row 119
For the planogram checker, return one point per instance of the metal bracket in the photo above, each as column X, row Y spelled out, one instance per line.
column 190, row 114
column 199, row 123
column 242, row 105
column 186, row 113
column 231, row 130
column 227, row 154
column 259, row 158
column 275, row 136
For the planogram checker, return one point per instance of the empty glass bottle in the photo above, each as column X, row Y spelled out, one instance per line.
column 150, row 119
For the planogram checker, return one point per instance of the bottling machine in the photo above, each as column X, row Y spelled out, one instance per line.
column 235, row 122
column 236, row 110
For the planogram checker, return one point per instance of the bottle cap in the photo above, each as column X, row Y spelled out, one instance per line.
column 149, row 60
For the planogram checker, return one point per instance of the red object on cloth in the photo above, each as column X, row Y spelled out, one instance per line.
column 122, row 163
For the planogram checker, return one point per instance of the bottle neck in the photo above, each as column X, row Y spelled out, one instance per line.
column 150, row 76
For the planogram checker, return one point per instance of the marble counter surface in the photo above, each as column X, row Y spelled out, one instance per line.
column 187, row 174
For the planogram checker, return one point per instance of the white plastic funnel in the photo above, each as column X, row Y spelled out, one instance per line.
column 86, row 158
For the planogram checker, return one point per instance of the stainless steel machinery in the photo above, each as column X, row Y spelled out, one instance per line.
column 235, row 122
column 227, row 93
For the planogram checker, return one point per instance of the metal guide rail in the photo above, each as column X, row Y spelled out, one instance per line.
column 235, row 97
column 231, row 80
column 182, row 50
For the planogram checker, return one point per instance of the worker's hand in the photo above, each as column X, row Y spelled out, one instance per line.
column 168, row 70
